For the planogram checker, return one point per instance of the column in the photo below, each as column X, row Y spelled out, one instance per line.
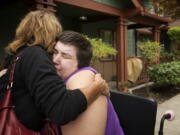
column 156, row 33
column 122, row 77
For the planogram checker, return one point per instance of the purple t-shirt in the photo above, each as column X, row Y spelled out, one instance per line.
column 112, row 125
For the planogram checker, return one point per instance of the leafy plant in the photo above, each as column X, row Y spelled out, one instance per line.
column 174, row 33
column 166, row 73
column 100, row 48
column 166, row 56
column 176, row 55
column 150, row 50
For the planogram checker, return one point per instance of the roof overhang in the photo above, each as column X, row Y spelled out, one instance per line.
column 149, row 19
column 137, row 14
column 140, row 15
column 93, row 5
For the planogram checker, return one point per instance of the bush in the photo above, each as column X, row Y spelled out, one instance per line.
column 166, row 73
column 150, row 50
column 174, row 33
column 166, row 56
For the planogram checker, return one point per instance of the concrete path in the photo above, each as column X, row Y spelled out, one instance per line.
column 170, row 127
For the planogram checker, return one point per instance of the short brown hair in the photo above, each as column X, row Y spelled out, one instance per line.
column 84, row 48
column 38, row 27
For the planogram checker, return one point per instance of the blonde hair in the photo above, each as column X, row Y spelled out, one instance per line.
column 38, row 27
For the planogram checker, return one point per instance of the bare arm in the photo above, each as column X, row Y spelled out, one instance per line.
column 93, row 120
column 92, row 90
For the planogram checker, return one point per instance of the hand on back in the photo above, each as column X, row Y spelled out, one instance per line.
column 3, row 72
column 103, row 86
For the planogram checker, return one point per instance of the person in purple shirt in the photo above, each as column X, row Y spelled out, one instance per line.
column 72, row 56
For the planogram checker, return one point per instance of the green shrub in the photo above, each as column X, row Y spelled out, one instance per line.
column 166, row 73
column 174, row 33
column 176, row 54
column 150, row 50
column 166, row 56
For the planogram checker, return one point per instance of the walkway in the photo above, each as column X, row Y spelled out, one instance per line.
column 170, row 127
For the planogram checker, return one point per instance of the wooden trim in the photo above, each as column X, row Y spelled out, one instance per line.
column 128, row 13
column 156, row 17
column 156, row 33
column 49, row 3
column 148, row 19
column 45, row 5
column 41, row 6
column 145, row 20
column 92, row 5
column 136, row 26
column 122, row 53
column 144, row 31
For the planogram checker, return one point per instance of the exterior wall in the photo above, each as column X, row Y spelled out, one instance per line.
column 106, row 68
column 10, row 17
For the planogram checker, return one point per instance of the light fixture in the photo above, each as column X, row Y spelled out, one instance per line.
column 83, row 18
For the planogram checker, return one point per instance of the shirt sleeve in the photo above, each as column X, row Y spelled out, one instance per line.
column 48, row 89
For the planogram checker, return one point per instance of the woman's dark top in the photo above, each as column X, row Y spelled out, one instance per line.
column 39, row 93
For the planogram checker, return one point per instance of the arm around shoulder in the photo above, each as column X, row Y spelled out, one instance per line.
column 91, row 85
column 48, row 89
column 93, row 120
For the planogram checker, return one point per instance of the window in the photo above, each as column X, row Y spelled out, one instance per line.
column 109, row 37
